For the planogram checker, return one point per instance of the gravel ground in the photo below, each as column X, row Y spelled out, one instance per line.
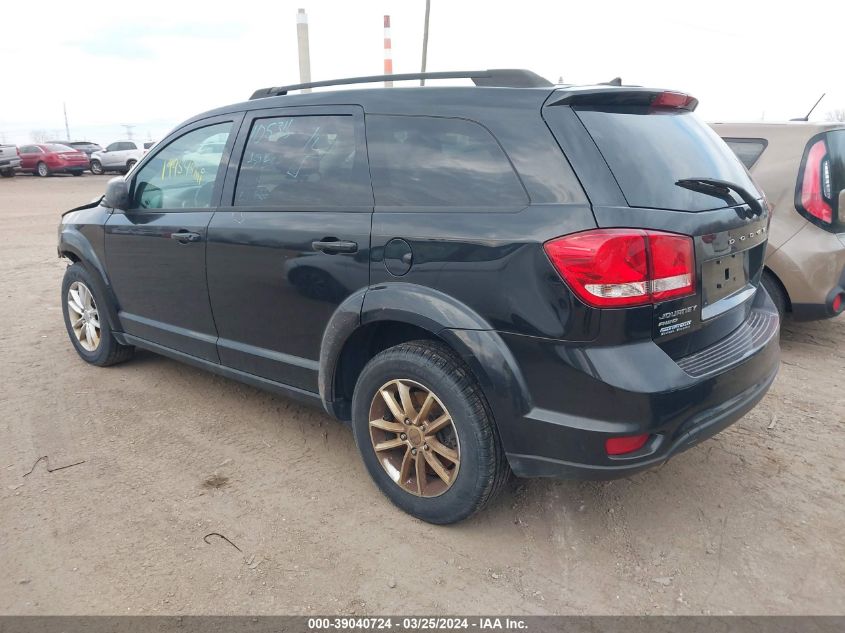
column 748, row 522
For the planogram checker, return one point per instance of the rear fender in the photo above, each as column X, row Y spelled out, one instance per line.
column 462, row 329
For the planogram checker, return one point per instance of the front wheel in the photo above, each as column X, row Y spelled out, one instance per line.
column 42, row 170
column 86, row 322
column 8, row 173
column 96, row 168
column 130, row 164
column 426, row 434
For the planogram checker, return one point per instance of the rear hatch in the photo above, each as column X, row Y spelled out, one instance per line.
column 647, row 162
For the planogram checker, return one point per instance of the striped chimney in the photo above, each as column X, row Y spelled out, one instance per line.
column 388, row 52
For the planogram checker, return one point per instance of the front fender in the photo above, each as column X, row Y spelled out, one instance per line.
column 75, row 240
column 464, row 330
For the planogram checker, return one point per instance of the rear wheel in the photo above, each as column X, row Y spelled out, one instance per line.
column 130, row 164
column 425, row 433
column 96, row 167
column 7, row 173
column 42, row 170
column 86, row 322
column 776, row 292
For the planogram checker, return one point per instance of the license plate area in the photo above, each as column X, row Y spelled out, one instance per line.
column 723, row 277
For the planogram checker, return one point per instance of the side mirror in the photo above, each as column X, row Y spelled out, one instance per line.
column 117, row 194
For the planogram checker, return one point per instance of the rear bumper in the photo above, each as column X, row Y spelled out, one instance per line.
column 811, row 266
column 10, row 163
column 67, row 169
column 580, row 397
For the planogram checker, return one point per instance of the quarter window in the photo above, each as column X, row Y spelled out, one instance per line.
column 430, row 161
column 303, row 161
column 182, row 174
column 747, row 150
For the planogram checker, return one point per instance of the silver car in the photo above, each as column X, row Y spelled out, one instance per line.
column 119, row 156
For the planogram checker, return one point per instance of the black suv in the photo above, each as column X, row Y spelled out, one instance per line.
column 554, row 281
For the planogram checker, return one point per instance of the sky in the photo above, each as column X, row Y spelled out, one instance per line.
column 153, row 64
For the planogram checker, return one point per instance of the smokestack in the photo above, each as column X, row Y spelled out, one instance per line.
column 304, row 52
column 388, row 52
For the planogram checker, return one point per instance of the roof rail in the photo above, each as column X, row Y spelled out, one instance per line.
column 498, row 77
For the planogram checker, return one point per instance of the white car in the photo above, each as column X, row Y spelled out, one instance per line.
column 119, row 156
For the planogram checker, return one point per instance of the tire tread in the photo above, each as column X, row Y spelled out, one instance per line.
column 440, row 357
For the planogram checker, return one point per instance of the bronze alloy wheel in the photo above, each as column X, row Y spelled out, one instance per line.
column 414, row 438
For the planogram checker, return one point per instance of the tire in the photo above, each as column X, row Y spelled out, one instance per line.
column 97, row 168
column 42, row 170
column 776, row 292
column 481, row 470
column 129, row 165
column 7, row 173
column 102, row 350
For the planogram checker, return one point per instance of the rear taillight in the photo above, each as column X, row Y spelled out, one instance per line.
column 611, row 268
column 814, row 195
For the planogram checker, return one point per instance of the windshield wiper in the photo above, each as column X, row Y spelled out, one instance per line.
column 721, row 189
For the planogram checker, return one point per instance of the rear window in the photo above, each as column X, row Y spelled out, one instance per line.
column 748, row 150
column 55, row 147
column 648, row 151
column 431, row 161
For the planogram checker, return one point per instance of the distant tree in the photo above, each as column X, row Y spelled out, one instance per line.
column 39, row 136
column 835, row 115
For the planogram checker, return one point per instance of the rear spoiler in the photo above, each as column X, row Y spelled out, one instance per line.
column 625, row 96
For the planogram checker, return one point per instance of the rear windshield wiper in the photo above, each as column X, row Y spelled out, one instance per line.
column 721, row 189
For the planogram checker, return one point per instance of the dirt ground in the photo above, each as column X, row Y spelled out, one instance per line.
column 749, row 522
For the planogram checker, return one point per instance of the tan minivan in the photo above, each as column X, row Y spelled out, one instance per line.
column 801, row 167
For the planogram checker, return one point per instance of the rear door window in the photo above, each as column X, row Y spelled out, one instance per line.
column 431, row 161
column 303, row 161
column 649, row 150
column 748, row 150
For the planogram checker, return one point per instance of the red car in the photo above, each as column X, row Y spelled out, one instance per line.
column 51, row 158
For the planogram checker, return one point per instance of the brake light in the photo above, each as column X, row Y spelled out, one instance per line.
column 627, row 444
column 815, row 184
column 677, row 100
column 611, row 268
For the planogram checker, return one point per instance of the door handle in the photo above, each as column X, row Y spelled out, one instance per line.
column 184, row 237
column 332, row 245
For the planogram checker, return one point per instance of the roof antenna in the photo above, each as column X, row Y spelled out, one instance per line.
column 807, row 117
column 616, row 81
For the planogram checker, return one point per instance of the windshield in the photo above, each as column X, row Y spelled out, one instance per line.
column 649, row 150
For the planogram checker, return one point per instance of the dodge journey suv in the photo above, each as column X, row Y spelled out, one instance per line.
column 509, row 277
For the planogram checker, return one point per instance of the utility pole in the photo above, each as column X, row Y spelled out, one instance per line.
column 304, row 50
column 67, row 129
column 425, row 39
column 129, row 129
column 388, row 52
